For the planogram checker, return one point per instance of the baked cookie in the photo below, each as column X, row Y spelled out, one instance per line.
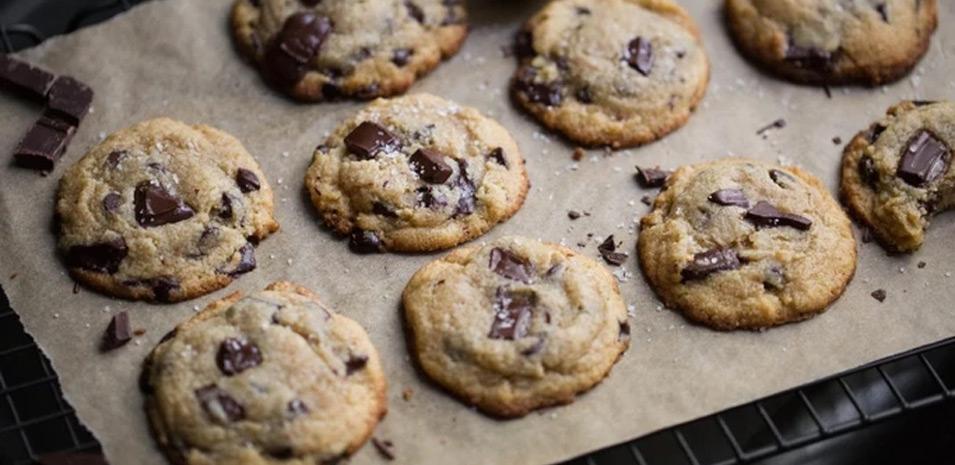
column 320, row 50
column 896, row 174
column 416, row 173
column 271, row 378
column 834, row 41
column 163, row 211
column 516, row 324
column 612, row 73
column 737, row 243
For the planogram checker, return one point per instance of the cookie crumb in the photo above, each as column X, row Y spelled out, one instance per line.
column 385, row 447
column 578, row 154
column 879, row 294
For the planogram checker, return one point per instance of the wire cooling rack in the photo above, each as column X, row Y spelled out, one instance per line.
column 38, row 426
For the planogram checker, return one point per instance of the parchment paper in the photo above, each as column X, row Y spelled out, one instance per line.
column 175, row 58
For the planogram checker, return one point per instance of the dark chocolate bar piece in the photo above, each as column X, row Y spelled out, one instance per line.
column 25, row 77
column 43, row 145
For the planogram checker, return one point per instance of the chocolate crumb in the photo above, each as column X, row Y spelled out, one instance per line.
column 646, row 200
column 837, row 140
column 778, row 124
column 578, row 154
column 879, row 294
column 573, row 214
column 385, row 447
column 76, row 287
column 921, row 265
column 608, row 250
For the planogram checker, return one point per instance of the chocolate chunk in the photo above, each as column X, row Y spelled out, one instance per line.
column 511, row 266
column 297, row 407
column 297, row 43
column 608, row 250
column 774, row 278
column 544, row 93
column 709, row 262
column 43, row 144
column 379, row 208
column 401, row 55
column 155, row 206
column 208, row 240
column 524, row 44
column 366, row 140
column 924, row 103
column 117, row 333
column 879, row 294
column 726, row 197
column 867, row 171
column 809, row 57
column 415, row 11
column 281, row 452
column 70, row 99
column 25, row 77
column 427, row 197
column 921, row 265
column 624, row 333
column 246, row 260
column 331, row 92
column 365, row 242
column 162, row 287
column 763, row 214
column 582, row 11
column 584, row 95
column 115, row 158
column 224, row 211
column 639, row 55
column 497, row 154
column 103, row 257
column 778, row 124
column 367, row 92
column 781, row 178
column 430, row 166
column 237, row 355
column 355, row 363
column 112, row 201
column 512, row 313
column 883, row 10
column 463, row 184
column 652, row 177
column 385, row 447
column 219, row 405
column 247, row 181
column 924, row 160
column 646, row 200
column 837, row 140
column 874, row 132
column 535, row 347
column 573, row 214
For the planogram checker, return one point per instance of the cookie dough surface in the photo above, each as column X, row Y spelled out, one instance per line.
column 330, row 49
column 834, row 41
column 610, row 72
column 737, row 243
column 271, row 378
column 897, row 173
column 163, row 211
column 516, row 324
column 416, row 173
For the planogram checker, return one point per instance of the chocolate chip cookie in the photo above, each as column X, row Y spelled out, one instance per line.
column 326, row 50
column 163, row 211
column 738, row 243
column 612, row 73
column 416, row 173
column 897, row 173
column 834, row 41
column 516, row 324
column 274, row 377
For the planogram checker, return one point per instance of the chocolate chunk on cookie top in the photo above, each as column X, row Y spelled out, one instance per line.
column 416, row 173
column 330, row 49
column 270, row 378
column 612, row 73
column 737, row 243
column 834, row 41
column 515, row 308
column 163, row 211
column 898, row 173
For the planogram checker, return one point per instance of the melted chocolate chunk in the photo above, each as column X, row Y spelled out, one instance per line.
column 368, row 139
column 237, row 355
column 608, row 250
column 584, row 96
column 415, row 11
column 246, row 260
column 155, row 206
column 430, row 166
column 114, row 158
column 774, row 278
column 224, row 210
column 365, row 242
column 726, row 197
column 43, row 144
column 25, row 77
column 219, row 405
column 883, row 10
column 809, row 58
column 208, row 240
column 524, row 44
column 247, row 181
column 297, row 407
column 512, row 313
column 544, row 93
column 781, row 178
column 355, row 363
column 70, row 99
column 104, row 257
column 466, row 202
column 639, row 55
column 427, row 197
column 763, row 214
column 118, row 332
column 867, row 171
column 162, row 287
column 709, row 262
column 874, row 132
column 401, row 56
column 298, row 42
column 652, row 177
column 112, row 201
column 511, row 266
column 379, row 208
column 331, row 92
column 497, row 154
column 924, row 160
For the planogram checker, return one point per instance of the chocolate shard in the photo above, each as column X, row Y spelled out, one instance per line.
column 608, row 250
column 118, row 332
column 368, row 139
column 709, row 262
column 764, row 214
column 219, row 405
column 467, row 201
column 70, row 99
column 511, row 266
column 430, row 166
column 729, row 197
column 25, row 77
column 513, row 310
column 355, row 363
column 301, row 37
column 639, row 55
column 44, row 143
column 155, row 206
column 246, row 260
column 247, row 181
column 104, row 257
column 112, row 202
column 365, row 242
column 497, row 154
column 237, row 355
column 652, row 177
column 925, row 159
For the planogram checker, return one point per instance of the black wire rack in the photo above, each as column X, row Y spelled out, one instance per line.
column 37, row 424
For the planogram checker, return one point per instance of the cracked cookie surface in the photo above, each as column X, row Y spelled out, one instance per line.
column 270, row 378
column 516, row 324
column 834, row 41
column 738, row 243
column 416, row 173
column 610, row 72
column 897, row 173
column 163, row 211
column 332, row 49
